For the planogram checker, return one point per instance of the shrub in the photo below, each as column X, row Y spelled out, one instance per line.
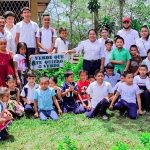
column 67, row 144
column 59, row 72
column 120, row 146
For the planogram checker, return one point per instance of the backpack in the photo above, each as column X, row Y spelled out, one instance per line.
column 26, row 91
column 52, row 30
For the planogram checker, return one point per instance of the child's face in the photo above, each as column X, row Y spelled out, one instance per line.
column 44, row 84
column 108, row 46
column 142, row 71
column 133, row 51
column 31, row 80
column 129, row 79
column 122, row 78
column 91, row 80
column 11, row 83
column 26, row 14
column 83, row 76
column 104, row 34
column 46, row 20
column 119, row 43
column 3, row 44
column 63, row 34
column 144, row 32
column 109, row 71
column 148, row 55
column 22, row 50
column 10, row 20
column 70, row 78
column 5, row 98
column 2, row 24
column 99, row 77
column 52, row 83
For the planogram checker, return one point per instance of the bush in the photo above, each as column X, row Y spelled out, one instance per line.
column 120, row 146
column 67, row 144
column 145, row 139
column 59, row 73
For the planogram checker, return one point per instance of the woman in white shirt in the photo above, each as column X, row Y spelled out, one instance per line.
column 143, row 43
column 93, row 53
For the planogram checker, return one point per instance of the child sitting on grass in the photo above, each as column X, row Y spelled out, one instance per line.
column 99, row 94
column 130, row 93
column 14, row 105
column 69, row 93
column 5, row 115
column 43, row 101
column 53, row 84
column 82, row 86
column 141, row 80
column 27, row 93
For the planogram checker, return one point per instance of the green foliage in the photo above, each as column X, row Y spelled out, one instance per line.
column 67, row 144
column 93, row 6
column 145, row 139
column 107, row 22
column 120, row 146
column 59, row 73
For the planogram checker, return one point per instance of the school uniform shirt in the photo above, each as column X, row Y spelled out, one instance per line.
column 134, row 63
column 44, row 98
column 98, row 92
column 9, row 38
column 113, row 79
column 28, row 92
column 27, row 33
column 148, row 84
column 82, row 87
column 21, row 62
column 119, row 55
column 91, row 50
column 13, row 33
column 69, row 97
column 141, row 82
column 117, row 86
column 129, row 37
column 128, row 92
column 143, row 46
column 45, row 36
column 107, row 57
column 61, row 45
column 147, row 63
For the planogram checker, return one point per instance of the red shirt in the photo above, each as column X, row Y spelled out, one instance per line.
column 82, row 87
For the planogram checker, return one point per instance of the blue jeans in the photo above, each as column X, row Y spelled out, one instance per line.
column 29, row 108
column 45, row 114
column 123, row 105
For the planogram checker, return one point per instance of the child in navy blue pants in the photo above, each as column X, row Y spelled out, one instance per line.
column 129, row 94
column 69, row 93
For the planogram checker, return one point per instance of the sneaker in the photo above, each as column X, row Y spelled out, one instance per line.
column 105, row 117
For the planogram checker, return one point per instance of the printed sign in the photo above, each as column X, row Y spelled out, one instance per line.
column 47, row 61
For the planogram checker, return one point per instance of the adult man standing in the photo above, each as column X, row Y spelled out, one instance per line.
column 127, row 33
column 6, row 34
column 26, row 31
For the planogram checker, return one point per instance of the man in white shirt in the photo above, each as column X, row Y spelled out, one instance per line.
column 128, row 34
column 46, row 36
column 26, row 31
column 6, row 34
column 10, row 26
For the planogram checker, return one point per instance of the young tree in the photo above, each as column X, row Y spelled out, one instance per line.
column 94, row 6
column 121, row 6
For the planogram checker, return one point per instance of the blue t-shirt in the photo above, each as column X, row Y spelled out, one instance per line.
column 113, row 79
column 44, row 98
column 70, row 97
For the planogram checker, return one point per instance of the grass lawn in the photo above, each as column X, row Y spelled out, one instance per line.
column 89, row 134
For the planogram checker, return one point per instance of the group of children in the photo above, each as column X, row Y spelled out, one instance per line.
column 91, row 95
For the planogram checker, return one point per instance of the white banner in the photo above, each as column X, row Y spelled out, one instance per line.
column 47, row 61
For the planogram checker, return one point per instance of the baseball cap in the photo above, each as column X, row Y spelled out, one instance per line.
column 126, row 19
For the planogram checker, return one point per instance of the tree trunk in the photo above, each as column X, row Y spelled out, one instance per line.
column 96, row 24
column 121, row 6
